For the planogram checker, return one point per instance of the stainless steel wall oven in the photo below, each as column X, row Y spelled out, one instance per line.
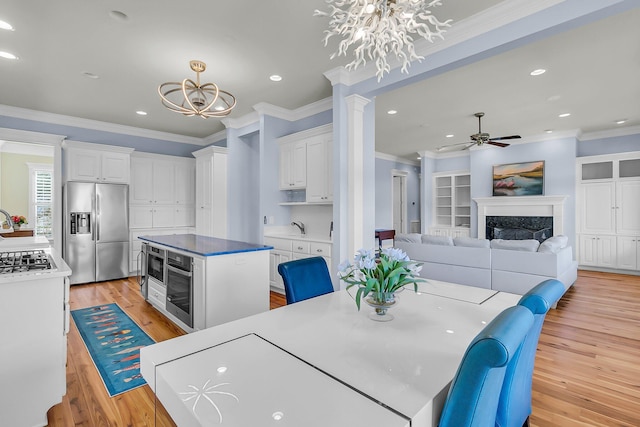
column 179, row 283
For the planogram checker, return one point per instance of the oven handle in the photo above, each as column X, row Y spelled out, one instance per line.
column 179, row 271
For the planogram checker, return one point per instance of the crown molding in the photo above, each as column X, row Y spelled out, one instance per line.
column 17, row 135
column 208, row 151
column 92, row 146
column 308, row 133
column 264, row 108
column 611, row 133
column 392, row 158
column 30, row 149
column 215, row 137
column 60, row 119
column 242, row 121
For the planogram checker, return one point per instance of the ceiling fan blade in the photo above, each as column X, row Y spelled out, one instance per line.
column 498, row 144
column 469, row 145
column 452, row 147
column 505, row 137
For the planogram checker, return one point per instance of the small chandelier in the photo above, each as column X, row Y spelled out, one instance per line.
column 380, row 27
column 192, row 99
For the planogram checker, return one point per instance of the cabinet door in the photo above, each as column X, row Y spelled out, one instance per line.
column 286, row 161
column 627, row 252
column 607, row 251
column 204, row 221
column 185, row 216
column 299, row 167
column 141, row 189
column 115, row 167
column 597, row 207
column 163, row 216
column 140, row 216
column 185, row 183
column 163, row 182
column 83, row 165
column 316, row 170
column 204, row 170
column 628, row 207
column 588, row 252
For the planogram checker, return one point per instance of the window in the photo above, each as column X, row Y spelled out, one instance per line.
column 41, row 198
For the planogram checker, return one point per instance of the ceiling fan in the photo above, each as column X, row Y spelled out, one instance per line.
column 480, row 138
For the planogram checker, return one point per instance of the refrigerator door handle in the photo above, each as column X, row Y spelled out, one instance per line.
column 97, row 222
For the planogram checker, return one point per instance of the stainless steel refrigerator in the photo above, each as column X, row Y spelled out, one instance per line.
column 96, row 231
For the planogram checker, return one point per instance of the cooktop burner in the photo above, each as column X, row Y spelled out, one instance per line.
column 22, row 261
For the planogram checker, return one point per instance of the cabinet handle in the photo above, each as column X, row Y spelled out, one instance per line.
column 299, row 248
column 319, row 250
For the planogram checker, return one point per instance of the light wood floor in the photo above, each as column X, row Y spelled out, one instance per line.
column 587, row 370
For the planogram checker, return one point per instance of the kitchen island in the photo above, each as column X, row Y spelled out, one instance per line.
column 228, row 280
column 34, row 313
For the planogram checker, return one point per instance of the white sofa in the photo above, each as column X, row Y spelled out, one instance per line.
column 513, row 266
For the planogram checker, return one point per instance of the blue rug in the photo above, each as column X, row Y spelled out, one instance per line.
column 114, row 342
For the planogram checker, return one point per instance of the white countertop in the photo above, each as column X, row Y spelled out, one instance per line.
column 33, row 242
column 30, row 243
column 301, row 237
column 406, row 364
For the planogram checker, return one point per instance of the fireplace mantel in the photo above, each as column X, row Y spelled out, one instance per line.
column 552, row 206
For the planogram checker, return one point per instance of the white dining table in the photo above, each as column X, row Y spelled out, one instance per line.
column 322, row 362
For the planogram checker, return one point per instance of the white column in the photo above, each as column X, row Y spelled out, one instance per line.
column 355, row 177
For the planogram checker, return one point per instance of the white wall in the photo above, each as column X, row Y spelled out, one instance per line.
column 383, row 189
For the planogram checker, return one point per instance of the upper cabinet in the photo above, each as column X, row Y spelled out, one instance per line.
column 211, row 192
column 96, row 162
column 306, row 163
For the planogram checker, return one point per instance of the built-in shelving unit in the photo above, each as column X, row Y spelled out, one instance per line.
column 451, row 204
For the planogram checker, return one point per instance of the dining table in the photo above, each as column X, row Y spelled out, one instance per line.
column 323, row 361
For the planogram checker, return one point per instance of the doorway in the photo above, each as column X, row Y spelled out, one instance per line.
column 399, row 200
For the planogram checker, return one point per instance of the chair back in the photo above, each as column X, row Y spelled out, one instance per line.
column 515, row 399
column 305, row 278
column 473, row 397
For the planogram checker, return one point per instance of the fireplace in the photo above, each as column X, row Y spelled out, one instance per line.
column 521, row 210
column 539, row 228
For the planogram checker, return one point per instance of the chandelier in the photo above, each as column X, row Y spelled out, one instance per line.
column 380, row 27
column 193, row 99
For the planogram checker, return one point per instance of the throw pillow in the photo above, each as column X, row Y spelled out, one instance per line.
column 410, row 238
column 530, row 245
column 471, row 242
column 437, row 240
column 553, row 244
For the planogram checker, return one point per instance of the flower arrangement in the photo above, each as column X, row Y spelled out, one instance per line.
column 384, row 275
column 18, row 219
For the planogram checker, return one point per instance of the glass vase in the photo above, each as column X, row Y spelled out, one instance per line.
column 381, row 302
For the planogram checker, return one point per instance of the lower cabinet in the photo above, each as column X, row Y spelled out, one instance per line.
column 597, row 250
column 289, row 249
column 628, row 252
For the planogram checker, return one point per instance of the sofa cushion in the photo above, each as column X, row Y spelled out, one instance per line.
column 541, row 264
column 553, row 244
column 450, row 255
column 437, row 240
column 411, row 238
column 471, row 242
column 530, row 245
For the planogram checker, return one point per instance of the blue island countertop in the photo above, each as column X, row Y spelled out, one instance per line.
column 204, row 245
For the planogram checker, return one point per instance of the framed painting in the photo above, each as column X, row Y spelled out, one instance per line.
column 519, row 179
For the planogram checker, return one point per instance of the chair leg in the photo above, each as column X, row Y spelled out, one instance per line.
column 526, row 423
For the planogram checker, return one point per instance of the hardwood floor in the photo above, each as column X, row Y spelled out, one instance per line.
column 586, row 373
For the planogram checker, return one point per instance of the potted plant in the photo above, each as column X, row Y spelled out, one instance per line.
column 18, row 221
column 378, row 279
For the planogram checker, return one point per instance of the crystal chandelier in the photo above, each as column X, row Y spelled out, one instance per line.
column 381, row 27
column 193, row 99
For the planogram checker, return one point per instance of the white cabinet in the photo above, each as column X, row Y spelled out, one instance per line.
column 628, row 252
column 608, row 206
column 185, row 183
column 211, row 192
column 293, row 165
column 153, row 181
column 597, row 250
column 96, row 162
column 320, row 169
column 451, row 204
column 150, row 216
column 285, row 249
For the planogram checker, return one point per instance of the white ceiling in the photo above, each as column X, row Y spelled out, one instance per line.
column 593, row 71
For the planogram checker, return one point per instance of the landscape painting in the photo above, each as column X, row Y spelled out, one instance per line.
column 519, row 179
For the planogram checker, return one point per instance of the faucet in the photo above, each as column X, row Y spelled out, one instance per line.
column 10, row 221
column 300, row 225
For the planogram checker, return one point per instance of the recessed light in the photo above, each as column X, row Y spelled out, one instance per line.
column 7, row 55
column 564, row 115
column 90, row 75
column 277, row 415
column 222, row 369
column 449, row 136
column 419, row 158
column 548, row 131
column 621, row 121
column 218, row 108
column 449, row 331
column 6, row 26
column 392, row 112
column 538, row 72
column 141, row 113
column 275, row 78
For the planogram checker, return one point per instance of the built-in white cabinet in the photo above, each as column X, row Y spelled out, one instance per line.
column 96, row 162
column 451, row 204
column 306, row 163
column 153, row 181
column 320, row 169
column 287, row 249
column 211, row 192
column 608, row 206
column 293, row 165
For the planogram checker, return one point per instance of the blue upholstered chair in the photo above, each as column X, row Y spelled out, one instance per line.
column 473, row 397
column 305, row 278
column 515, row 399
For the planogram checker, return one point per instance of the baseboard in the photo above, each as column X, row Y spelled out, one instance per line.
column 609, row 270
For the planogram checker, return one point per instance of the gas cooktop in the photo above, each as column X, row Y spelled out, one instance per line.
column 25, row 261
